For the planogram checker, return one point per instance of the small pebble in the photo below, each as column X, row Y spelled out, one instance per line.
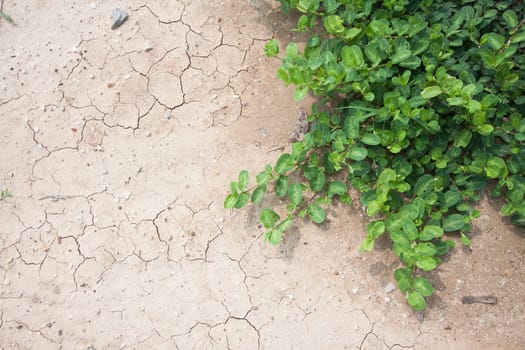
column 147, row 46
column 93, row 5
column 390, row 287
column 355, row 290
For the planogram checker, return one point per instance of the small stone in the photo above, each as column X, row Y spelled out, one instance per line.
column 126, row 77
column 168, row 116
column 387, row 299
column 91, row 76
column 355, row 291
column 118, row 16
column 390, row 287
column 93, row 5
column 110, row 84
column 147, row 46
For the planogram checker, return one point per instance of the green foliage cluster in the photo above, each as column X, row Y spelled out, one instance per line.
column 421, row 107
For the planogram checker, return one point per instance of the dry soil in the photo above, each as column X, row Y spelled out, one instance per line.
column 118, row 147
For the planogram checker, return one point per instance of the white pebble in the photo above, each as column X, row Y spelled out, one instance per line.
column 389, row 287
column 147, row 46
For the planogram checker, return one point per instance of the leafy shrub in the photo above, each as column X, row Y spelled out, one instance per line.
column 421, row 107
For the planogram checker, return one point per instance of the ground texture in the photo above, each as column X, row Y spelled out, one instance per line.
column 118, row 147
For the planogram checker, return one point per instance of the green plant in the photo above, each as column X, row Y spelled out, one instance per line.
column 421, row 107
column 4, row 194
column 7, row 17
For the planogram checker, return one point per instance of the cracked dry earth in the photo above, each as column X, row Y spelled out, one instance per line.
column 118, row 147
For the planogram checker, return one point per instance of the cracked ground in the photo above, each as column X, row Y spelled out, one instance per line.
column 118, row 147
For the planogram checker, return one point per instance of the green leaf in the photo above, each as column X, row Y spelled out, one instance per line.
column 366, row 245
column 352, row 56
column 262, row 178
column 336, row 188
column 373, row 208
column 430, row 232
column 351, row 127
column 283, row 75
column 485, row 129
column 7, row 18
column 462, row 138
column 230, row 200
column 357, row 153
column 352, row 33
column 284, row 164
column 281, row 186
column 409, row 229
column 274, row 236
column 401, row 55
column 464, row 239
column 403, row 277
column 496, row 41
column 380, row 27
column 373, row 55
column 450, row 198
column 370, row 139
column 268, row 217
column 316, row 213
column 453, row 222
column 258, row 194
column 300, row 93
column 271, row 49
column 292, row 51
column 426, row 249
column 518, row 37
column 295, row 193
column 243, row 199
column 402, row 273
column 317, row 183
column 243, row 180
column 510, row 18
column 307, row 5
column 331, row 5
column 426, row 263
column 495, row 166
column 422, row 286
column 416, row 300
column 333, row 24
column 424, row 185
column 431, row 92
column 375, row 229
